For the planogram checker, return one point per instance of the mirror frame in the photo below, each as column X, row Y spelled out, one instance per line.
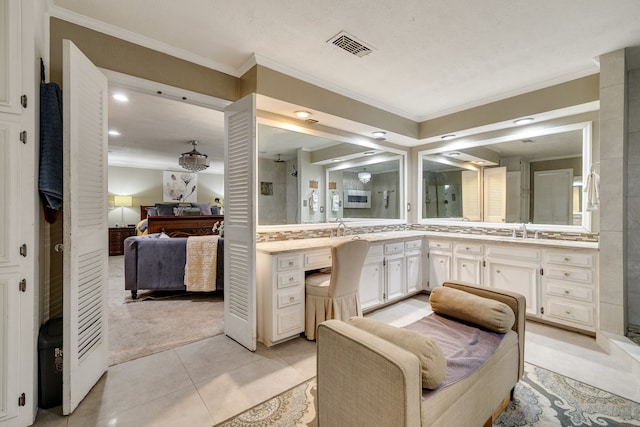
column 269, row 119
column 530, row 132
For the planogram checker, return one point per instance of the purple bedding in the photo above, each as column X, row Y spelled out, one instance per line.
column 466, row 347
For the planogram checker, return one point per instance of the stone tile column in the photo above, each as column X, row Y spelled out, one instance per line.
column 613, row 190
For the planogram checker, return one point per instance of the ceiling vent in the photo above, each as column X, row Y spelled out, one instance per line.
column 350, row 44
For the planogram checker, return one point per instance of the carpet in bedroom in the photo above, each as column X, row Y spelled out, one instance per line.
column 157, row 321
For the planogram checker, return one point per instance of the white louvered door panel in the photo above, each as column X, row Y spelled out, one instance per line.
column 85, row 226
column 240, row 222
column 9, row 345
column 9, row 153
column 495, row 193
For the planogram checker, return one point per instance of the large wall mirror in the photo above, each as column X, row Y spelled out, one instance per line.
column 306, row 178
column 536, row 177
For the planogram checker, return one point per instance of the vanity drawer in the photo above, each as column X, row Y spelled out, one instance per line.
column 375, row 251
column 394, row 248
column 512, row 252
column 317, row 259
column 570, row 312
column 289, row 262
column 571, row 259
column 290, row 278
column 413, row 245
column 289, row 321
column 468, row 248
column 290, row 297
column 568, row 290
column 581, row 275
column 440, row 245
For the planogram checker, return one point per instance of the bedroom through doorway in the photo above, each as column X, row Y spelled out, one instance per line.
column 147, row 134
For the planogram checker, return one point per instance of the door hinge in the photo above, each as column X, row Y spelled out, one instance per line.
column 428, row 255
column 384, row 262
column 23, row 101
column 23, row 250
column 23, row 285
column 22, row 400
column 541, row 310
column 23, row 136
column 542, row 271
column 484, row 263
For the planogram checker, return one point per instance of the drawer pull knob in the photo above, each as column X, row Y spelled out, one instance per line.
column 498, row 271
column 464, row 265
column 467, row 248
column 566, row 291
column 291, row 299
column 566, row 274
column 290, row 263
column 291, row 279
column 567, row 259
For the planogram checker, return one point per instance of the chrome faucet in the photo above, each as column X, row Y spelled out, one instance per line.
column 342, row 226
column 524, row 230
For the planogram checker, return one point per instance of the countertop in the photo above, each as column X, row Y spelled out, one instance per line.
column 284, row 246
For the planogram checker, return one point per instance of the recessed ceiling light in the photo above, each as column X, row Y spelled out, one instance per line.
column 121, row 97
column 114, row 132
column 302, row 114
column 523, row 121
column 379, row 134
column 453, row 153
column 479, row 162
column 336, row 160
column 450, row 136
column 369, row 153
column 527, row 141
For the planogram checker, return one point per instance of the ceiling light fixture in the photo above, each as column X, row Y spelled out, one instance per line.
column 302, row 114
column 369, row 153
column 364, row 176
column 454, row 154
column 524, row 121
column 450, row 136
column 114, row 132
column 193, row 160
column 379, row 134
column 121, row 97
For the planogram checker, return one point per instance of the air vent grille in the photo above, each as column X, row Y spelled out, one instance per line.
column 350, row 44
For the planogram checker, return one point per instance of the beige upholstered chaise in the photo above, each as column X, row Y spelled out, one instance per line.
column 365, row 380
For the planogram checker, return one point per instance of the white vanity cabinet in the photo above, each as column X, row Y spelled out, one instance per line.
column 515, row 268
column 440, row 258
column 395, row 270
column 413, row 256
column 372, row 279
column 467, row 262
column 569, row 289
column 280, row 281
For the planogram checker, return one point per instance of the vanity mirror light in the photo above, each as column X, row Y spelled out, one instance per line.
column 307, row 177
column 533, row 177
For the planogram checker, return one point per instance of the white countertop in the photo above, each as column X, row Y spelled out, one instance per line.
column 283, row 246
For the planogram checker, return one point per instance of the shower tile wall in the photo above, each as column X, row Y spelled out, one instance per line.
column 633, row 178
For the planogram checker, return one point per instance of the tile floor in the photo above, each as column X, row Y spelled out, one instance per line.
column 204, row 383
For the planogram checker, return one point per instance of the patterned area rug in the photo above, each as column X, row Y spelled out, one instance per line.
column 542, row 398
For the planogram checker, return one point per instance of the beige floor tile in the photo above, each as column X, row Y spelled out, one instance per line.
column 133, row 384
column 51, row 418
column 235, row 391
column 180, row 408
column 298, row 353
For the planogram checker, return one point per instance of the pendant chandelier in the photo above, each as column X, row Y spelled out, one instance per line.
column 193, row 160
column 364, row 176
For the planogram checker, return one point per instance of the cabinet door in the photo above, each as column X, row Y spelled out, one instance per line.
column 372, row 284
column 414, row 271
column 10, row 58
column 517, row 277
column 468, row 268
column 396, row 280
column 439, row 268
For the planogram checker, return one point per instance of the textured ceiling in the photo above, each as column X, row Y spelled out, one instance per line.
column 429, row 58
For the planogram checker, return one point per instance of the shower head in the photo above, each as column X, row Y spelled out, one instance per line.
column 279, row 160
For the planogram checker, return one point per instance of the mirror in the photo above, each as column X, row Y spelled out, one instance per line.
column 313, row 179
column 534, row 178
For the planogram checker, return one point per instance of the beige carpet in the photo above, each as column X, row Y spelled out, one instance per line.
column 157, row 321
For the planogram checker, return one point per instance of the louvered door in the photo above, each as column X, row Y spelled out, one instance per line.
column 240, row 222
column 85, row 226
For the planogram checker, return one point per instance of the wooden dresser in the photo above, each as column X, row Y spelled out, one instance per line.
column 116, row 239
